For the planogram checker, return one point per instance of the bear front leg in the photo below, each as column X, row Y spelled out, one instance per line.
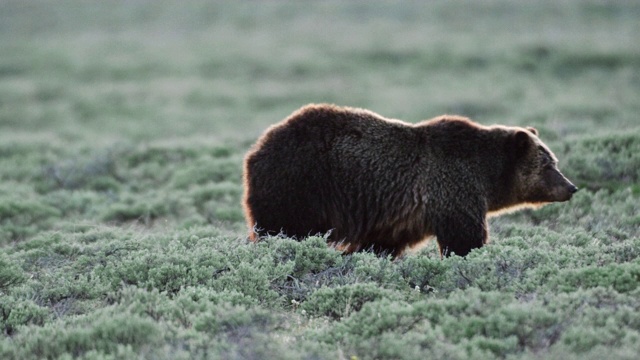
column 460, row 234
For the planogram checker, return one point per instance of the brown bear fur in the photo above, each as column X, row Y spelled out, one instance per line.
column 386, row 185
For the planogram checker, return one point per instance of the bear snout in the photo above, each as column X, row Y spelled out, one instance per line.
column 566, row 192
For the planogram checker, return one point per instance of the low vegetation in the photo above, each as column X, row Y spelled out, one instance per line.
column 122, row 133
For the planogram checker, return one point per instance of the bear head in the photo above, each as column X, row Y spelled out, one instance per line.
column 538, row 180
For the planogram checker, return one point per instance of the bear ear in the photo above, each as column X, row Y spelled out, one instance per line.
column 522, row 141
column 533, row 130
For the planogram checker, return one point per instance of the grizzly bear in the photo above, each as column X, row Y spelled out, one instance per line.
column 371, row 183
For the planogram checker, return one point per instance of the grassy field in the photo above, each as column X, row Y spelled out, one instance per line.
column 123, row 125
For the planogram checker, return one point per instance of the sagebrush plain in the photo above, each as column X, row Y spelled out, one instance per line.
column 123, row 126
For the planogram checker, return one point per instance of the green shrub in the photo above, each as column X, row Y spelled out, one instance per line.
column 10, row 274
column 339, row 302
column 102, row 332
column 367, row 267
column 23, row 217
column 216, row 193
column 310, row 256
column 162, row 156
column 134, row 209
column 609, row 161
column 423, row 272
column 622, row 278
column 485, row 324
column 97, row 172
column 372, row 331
column 16, row 312
column 205, row 171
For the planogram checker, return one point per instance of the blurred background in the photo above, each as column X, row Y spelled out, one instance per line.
column 104, row 71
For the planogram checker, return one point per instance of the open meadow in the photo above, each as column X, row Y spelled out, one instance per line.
column 123, row 125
